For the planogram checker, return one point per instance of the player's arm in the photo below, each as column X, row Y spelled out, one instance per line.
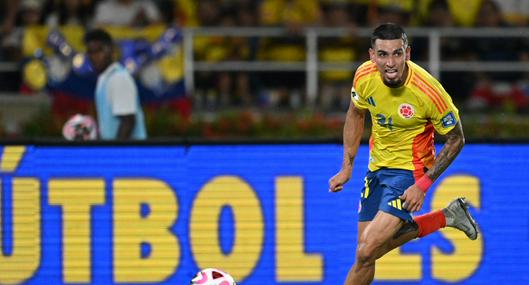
column 126, row 126
column 455, row 140
column 352, row 134
column 414, row 196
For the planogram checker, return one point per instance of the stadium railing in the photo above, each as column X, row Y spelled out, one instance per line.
column 312, row 66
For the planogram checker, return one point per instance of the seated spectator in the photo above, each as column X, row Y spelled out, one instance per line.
column 393, row 14
column 394, row 11
column 9, row 15
column 295, row 16
column 336, row 83
column 70, row 13
column 465, row 12
column 129, row 13
column 438, row 15
column 23, row 14
column 515, row 12
column 495, row 88
column 225, row 89
column 181, row 13
column 236, row 86
column 357, row 10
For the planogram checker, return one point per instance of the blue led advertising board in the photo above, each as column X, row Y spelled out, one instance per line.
column 154, row 214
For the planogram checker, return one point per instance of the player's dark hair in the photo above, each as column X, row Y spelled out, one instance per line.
column 99, row 35
column 389, row 31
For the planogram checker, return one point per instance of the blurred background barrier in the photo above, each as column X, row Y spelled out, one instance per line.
column 183, row 75
column 174, row 75
column 260, row 69
column 155, row 214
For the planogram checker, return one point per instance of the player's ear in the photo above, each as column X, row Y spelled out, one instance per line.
column 372, row 54
column 408, row 53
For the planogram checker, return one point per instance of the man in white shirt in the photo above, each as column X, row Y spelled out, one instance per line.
column 131, row 13
column 118, row 107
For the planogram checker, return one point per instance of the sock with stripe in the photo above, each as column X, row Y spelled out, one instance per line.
column 431, row 222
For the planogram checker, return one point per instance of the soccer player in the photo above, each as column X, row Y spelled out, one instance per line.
column 118, row 108
column 406, row 105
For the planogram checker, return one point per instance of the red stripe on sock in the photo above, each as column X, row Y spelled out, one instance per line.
column 431, row 222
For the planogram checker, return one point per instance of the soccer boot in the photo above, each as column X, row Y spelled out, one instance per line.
column 457, row 216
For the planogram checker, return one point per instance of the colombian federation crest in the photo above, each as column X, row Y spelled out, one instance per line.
column 406, row 111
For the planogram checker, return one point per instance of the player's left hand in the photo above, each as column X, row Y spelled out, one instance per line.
column 412, row 198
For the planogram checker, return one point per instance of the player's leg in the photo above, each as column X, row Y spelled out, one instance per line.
column 455, row 215
column 374, row 197
column 420, row 227
column 408, row 231
column 367, row 209
column 373, row 238
column 361, row 228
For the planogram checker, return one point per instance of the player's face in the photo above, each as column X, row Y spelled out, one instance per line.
column 99, row 54
column 390, row 57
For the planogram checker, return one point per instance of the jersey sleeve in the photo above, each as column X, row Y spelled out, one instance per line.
column 443, row 113
column 123, row 94
column 357, row 99
column 360, row 83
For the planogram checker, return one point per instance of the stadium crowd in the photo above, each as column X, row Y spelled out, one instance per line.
column 478, row 90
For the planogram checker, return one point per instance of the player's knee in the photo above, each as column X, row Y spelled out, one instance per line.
column 365, row 253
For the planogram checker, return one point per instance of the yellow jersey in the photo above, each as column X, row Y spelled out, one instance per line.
column 404, row 118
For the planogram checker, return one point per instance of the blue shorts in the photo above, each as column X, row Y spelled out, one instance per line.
column 381, row 192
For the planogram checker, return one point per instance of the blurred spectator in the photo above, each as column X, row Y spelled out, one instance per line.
column 70, row 13
column 181, row 13
column 384, row 11
column 357, row 10
column 29, row 13
column 131, row 13
column 496, row 89
column 119, row 112
column 335, row 85
column 208, row 12
column 9, row 15
column 392, row 14
column 23, row 14
column 490, row 15
column 207, row 48
column 465, row 12
column 295, row 16
column 236, row 86
column 247, row 14
column 226, row 88
column 438, row 15
column 292, row 14
column 515, row 12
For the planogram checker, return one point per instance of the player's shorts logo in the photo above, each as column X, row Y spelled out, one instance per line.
column 406, row 110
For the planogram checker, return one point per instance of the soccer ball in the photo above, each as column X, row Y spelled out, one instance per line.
column 80, row 128
column 212, row 276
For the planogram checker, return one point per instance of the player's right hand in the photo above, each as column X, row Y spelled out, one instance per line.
column 337, row 181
